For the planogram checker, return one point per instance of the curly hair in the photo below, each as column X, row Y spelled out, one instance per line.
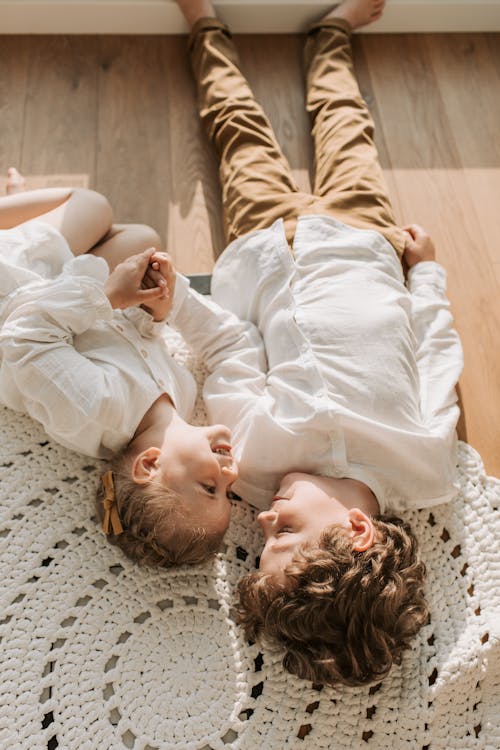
column 156, row 527
column 342, row 616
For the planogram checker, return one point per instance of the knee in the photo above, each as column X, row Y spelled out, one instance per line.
column 144, row 236
column 97, row 205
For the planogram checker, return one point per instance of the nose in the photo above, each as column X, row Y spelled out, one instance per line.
column 230, row 473
column 266, row 519
column 219, row 431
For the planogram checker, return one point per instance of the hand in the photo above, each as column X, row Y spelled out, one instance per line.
column 124, row 286
column 160, row 269
column 418, row 245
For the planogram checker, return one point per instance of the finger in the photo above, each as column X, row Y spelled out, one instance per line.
column 145, row 295
column 409, row 244
column 142, row 260
column 162, row 261
column 411, row 230
column 418, row 232
column 147, row 283
column 161, row 256
column 408, row 237
column 156, row 277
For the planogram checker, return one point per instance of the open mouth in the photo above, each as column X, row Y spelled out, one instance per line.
column 222, row 450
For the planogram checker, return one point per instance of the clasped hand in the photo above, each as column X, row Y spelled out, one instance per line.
column 146, row 279
column 418, row 245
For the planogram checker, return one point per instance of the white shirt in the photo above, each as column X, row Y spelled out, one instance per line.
column 340, row 369
column 87, row 372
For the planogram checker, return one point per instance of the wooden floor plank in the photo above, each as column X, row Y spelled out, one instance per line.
column 467, row 75
column 132, row 161
column 466, row 72
column 195, row 234
column 14, row 61
column 60, row 120
column 413, row 118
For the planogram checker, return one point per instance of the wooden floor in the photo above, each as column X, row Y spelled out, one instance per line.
column 120, row 111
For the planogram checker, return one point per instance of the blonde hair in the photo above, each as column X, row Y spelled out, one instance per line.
column 156, row 527
column 342, row 616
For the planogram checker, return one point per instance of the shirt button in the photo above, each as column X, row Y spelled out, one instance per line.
column 144, row 353
column 161, row 382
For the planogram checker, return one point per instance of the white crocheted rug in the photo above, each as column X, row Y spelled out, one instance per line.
column 98, row 654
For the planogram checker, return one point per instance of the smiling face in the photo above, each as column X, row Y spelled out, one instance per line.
column 304, row 506
column 197, row 464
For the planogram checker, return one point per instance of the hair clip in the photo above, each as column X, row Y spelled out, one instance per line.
column 111, row 520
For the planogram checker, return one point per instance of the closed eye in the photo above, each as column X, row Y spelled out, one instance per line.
column 210, row 489
column 284, row 530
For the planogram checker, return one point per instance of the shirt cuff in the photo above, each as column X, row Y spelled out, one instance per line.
column 182, row 288
column 427, row 273
column 87, row 265
column 144, row 322
column 93, row 272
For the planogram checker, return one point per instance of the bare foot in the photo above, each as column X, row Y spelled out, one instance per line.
column 358, row 12
column 15, row 182
column 193, row 10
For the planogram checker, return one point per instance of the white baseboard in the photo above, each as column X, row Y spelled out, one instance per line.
column 244, row 16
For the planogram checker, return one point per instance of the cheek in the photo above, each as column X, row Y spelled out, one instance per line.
column 272, row 563
column 227, row 514
column 223, row 518
column 264, row 561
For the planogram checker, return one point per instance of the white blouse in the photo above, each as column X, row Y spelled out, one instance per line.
column 87, row 372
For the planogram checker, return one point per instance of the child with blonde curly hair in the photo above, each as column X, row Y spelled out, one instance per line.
column 344, row 414
column 82, row 352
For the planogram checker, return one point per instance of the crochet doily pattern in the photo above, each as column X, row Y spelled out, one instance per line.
column 98, row 653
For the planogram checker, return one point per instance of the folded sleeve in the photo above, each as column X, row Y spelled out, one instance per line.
column 232, row 349
column 54, row 383
column 438, row 347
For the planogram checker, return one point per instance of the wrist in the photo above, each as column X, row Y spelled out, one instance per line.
column 110, row 295
column 156, row 317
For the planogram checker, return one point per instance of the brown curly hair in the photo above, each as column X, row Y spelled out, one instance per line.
column 156, row 528
column 342, row 616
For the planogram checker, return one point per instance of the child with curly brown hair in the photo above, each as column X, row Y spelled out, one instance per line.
column 82, row 352
column 345, row 412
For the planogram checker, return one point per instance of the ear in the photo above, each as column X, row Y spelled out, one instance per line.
column 363, row 532
column 145, row 466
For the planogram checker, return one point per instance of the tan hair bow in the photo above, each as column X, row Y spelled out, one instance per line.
column 111, row 520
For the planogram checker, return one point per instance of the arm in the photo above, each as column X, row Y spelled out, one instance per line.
column 214, row 333
column 438, row 349
column 42, row 372
column 232, row 349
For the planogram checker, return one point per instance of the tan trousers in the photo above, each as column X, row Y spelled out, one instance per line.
column 257, row 184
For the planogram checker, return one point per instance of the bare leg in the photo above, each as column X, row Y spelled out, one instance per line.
column 357, row 12
column 82, row 216
column 124, row 240
column 193, row 10
column 71, row 210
